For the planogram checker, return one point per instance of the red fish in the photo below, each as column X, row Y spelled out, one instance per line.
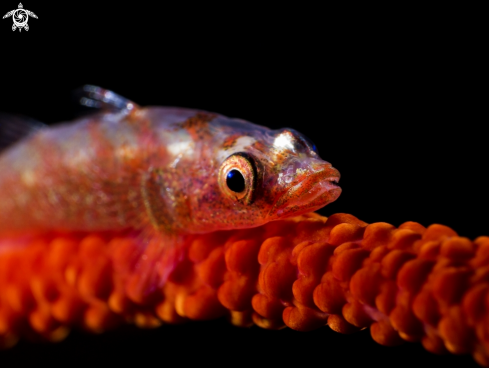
column 201, row 249
column 154, row 175
column 174, row 171
column 159, row 173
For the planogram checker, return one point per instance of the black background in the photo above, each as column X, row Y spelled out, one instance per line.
column 396, row 102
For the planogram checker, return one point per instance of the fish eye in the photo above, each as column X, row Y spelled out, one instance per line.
column 237, row 177
column 235, row 181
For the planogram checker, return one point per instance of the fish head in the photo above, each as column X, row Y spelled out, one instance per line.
column 296, row 180
column 264, row 175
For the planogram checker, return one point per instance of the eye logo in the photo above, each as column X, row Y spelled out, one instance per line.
column 20, row 17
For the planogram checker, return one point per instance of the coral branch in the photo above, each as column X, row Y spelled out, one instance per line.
column 408, row 283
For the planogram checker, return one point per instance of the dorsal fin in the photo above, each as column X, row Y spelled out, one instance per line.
column 99, row 98
column 13, row 128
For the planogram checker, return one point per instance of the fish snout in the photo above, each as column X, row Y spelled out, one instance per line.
column 312, row 188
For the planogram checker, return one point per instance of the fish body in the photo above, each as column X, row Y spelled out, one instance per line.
column 159, row 168
column 159, row 174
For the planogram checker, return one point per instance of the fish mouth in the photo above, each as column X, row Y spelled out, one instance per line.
column 308, row 193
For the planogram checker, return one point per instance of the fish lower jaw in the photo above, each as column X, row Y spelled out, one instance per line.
column 318, row 196
column 318, row 189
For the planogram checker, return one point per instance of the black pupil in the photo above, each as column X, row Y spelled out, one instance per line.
column 235, row 181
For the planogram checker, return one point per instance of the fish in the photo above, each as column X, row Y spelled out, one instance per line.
column 154, row 174
column 298, row 269
column 177, row 171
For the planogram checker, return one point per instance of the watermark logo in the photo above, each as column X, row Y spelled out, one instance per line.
column 20, row 17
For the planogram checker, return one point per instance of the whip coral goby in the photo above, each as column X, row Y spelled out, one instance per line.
column 104, row 247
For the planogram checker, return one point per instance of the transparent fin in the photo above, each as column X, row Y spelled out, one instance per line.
column 13, row 128
column 95, row 97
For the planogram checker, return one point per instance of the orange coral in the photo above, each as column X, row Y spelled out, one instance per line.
column 407, row 283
